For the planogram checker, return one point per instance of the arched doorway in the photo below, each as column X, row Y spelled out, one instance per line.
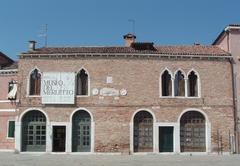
column 81, row 131
column 143, row 132
column 34, row 131
column 193, row 132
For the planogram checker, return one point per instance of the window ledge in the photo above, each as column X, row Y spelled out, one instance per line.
column 10, row 138
column 33, row 96
column 178, row 97
column 78, row 96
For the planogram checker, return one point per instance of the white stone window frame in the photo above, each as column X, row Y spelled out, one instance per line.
column 28, row 82
column 18, row 130
column 176, row 133
column 88, row 95
column 92, row 132
column 49, row 131
column 10, row 120
column 198, row 84
column 155, row 148
column 208, row 130
column 185, row 84
column 160, row 84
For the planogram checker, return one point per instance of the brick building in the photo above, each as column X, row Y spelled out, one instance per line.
column 127, row 99
column 8, row 102
column 137, row 98
column 229, row 40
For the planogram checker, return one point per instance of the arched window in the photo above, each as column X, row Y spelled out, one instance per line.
column 166, row 84
column 193, row 132
column 143, row 132
column 192, row 84
column 179, row 84
column 34, row 131
column 81, row 131
column 82, row 82
column 35, row 82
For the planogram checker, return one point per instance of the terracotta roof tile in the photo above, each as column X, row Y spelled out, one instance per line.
column 14, row 65
column 171, row 50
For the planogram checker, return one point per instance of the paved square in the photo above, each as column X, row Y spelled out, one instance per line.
column 10, row 159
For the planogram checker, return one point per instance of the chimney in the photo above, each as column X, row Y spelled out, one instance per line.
column 197, row 44
column 129, row 39
column 32, row 45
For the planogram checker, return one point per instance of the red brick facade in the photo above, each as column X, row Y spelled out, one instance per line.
column 136, row 71
column 112, row 115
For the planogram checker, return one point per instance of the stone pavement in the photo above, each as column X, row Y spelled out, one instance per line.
column 11, row 159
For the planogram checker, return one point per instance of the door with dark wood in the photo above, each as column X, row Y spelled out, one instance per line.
column 59, row 138
column 143, row 132
column 165, row 139
column 192, row 132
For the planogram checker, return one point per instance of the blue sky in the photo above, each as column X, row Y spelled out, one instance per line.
column 104, row 22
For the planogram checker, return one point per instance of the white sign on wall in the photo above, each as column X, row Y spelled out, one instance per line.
column 58, row 88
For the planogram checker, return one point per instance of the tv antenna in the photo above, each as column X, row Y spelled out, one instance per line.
column 133, row 25
column 43, row 33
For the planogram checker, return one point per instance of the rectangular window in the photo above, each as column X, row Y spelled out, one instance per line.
column 11, row 129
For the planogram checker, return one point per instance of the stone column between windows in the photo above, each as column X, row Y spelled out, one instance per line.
column 172, row 79
column 186, row 81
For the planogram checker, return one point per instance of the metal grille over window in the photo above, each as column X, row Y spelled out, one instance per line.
column 166, row 84
column 35, row 82
column 82, row 83
column 143, row 132
column 192, row 132
column 34, row 131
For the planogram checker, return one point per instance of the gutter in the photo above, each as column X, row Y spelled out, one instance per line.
column 126, row 54
column 234, row 106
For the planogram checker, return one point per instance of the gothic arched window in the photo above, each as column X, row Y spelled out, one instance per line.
column 179, row 84
column 82, row 82
column 166, row 83
column 192, row 84
column 35, row 82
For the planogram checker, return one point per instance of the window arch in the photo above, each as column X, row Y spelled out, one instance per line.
column 33, row 131
column 166, row 83
column 193, row 90
column 82, row 82
column 179, row 84
column 143, row 131
column 193, row 132
column 81, row 131
column 35, row 82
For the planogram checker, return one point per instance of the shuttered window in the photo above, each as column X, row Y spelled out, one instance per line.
column 11, row 129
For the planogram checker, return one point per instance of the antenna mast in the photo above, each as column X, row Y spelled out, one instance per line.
column 44, row 34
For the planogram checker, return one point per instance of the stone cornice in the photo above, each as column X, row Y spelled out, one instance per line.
column 123, row 55
column 9, row 72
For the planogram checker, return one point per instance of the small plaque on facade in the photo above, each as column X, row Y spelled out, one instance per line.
column 123, row 92
column 109, row 80
column 109, row 92
column 58, row 88
column 95, row 91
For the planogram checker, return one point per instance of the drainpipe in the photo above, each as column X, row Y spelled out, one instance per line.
column 234, row 105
